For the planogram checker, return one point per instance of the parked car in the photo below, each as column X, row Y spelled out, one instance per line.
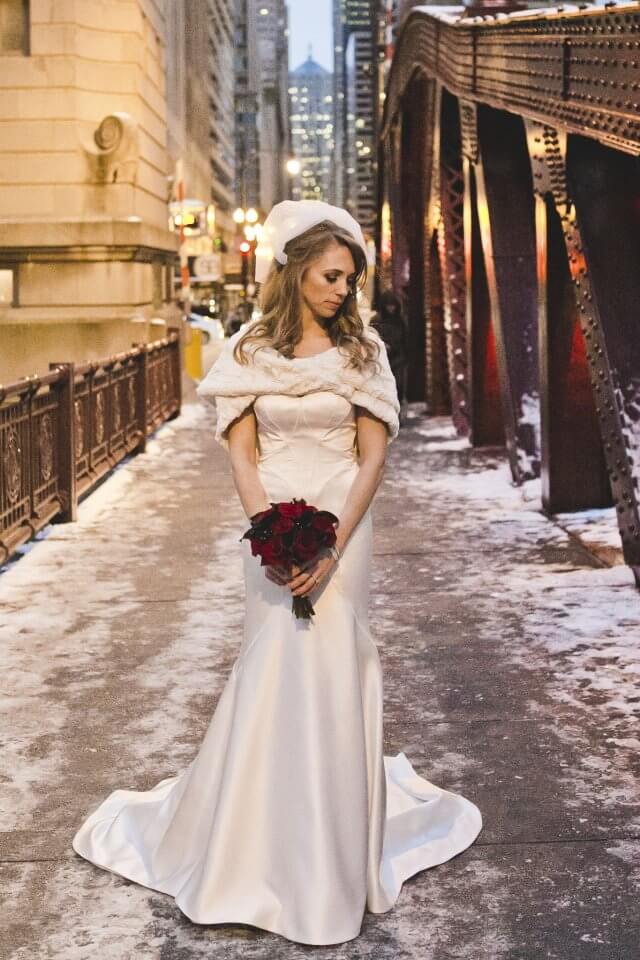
column 212, row 329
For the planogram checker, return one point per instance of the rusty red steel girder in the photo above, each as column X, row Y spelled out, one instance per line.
column 527, row 128
column 62, row 432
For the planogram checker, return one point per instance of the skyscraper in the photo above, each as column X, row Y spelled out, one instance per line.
column 262, row 105
column 311, row 108
column 247, row 105
column 273, row 50
column 360, row 168
column 219, row 16
column 354, row 180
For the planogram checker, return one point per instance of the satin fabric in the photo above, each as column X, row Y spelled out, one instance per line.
column 290, row 817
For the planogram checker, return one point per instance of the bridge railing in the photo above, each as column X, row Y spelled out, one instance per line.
column 62, row 432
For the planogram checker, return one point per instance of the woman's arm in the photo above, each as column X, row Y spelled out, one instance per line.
column 242, row 437
column 372, row 445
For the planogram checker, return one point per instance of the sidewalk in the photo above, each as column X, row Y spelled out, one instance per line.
column 511, row 663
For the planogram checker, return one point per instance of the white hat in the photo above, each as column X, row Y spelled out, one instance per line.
column 291, row 218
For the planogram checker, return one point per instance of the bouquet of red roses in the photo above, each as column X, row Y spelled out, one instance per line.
column 291, row 532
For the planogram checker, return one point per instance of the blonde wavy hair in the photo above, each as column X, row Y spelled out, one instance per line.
column 280, row 300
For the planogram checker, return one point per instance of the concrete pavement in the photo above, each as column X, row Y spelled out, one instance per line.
column 511, row 662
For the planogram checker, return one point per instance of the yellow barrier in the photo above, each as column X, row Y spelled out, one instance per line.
column 193, row 354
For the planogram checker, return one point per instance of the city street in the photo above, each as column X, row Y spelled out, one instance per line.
column 511, row 661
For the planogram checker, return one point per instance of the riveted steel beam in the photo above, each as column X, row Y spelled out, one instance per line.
column 507, row 231
column 588, row 229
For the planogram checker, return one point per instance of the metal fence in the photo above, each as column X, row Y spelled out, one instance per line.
column 62, row 432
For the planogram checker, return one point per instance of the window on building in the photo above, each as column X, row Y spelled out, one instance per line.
column 8, row 290
column 14, row 26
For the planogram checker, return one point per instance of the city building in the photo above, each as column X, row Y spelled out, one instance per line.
column 200, row 129
column 339, row 105
column 247, row 105
column 354, row 182
column 360, row 168
column 111, row 141
column 218, row 16
column 86, row 253
column 274, row 138
column 261, row 103
column 311, row 108
column 385, row 29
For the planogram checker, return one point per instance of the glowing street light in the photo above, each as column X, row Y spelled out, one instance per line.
column 251, row 215
column 239, row 215
column 293, row 167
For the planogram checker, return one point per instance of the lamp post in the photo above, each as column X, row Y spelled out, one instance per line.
column 249, row 221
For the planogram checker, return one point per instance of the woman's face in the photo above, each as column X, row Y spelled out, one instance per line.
column 328, row 279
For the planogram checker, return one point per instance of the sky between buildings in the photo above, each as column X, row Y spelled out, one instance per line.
column 310, row 23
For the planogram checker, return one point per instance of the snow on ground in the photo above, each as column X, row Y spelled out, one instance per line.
column 118, row 632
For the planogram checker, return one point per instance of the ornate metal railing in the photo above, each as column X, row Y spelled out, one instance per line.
column 62, row 432
column 509, row 174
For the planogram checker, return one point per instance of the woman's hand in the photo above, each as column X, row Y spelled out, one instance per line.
column 279, row 574
column 306, row 578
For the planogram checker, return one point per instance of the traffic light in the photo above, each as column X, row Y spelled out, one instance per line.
column 245, row 248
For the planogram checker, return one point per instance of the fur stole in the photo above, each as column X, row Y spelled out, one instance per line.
column 234, row 386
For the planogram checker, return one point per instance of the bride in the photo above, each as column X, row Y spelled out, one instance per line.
column 290, row 818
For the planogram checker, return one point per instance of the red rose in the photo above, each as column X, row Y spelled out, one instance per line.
column 282, row 524
column 272, row 551
column 293, row 509
column 305, row 544
column 322, row 523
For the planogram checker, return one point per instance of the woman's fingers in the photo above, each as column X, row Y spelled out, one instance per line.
column 278, row 573
column 300, row 575
column 299, row 578
column 305, row 583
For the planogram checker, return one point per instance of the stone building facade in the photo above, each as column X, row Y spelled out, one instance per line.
column 99, row 99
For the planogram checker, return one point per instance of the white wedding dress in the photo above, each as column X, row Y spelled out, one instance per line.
column 290, row 818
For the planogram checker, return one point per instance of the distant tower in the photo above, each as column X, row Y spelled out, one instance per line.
column 311, row 113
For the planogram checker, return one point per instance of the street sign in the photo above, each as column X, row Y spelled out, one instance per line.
column 208, row 266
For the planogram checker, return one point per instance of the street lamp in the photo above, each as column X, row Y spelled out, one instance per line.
column 247, row 247
column 239, row 215
column 292, row 167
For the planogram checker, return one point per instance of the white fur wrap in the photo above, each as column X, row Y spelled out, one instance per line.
column 235, row 386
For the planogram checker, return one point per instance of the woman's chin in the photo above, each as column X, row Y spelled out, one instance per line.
column 327, row 312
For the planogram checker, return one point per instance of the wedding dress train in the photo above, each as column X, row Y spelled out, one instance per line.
column 290, row 818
